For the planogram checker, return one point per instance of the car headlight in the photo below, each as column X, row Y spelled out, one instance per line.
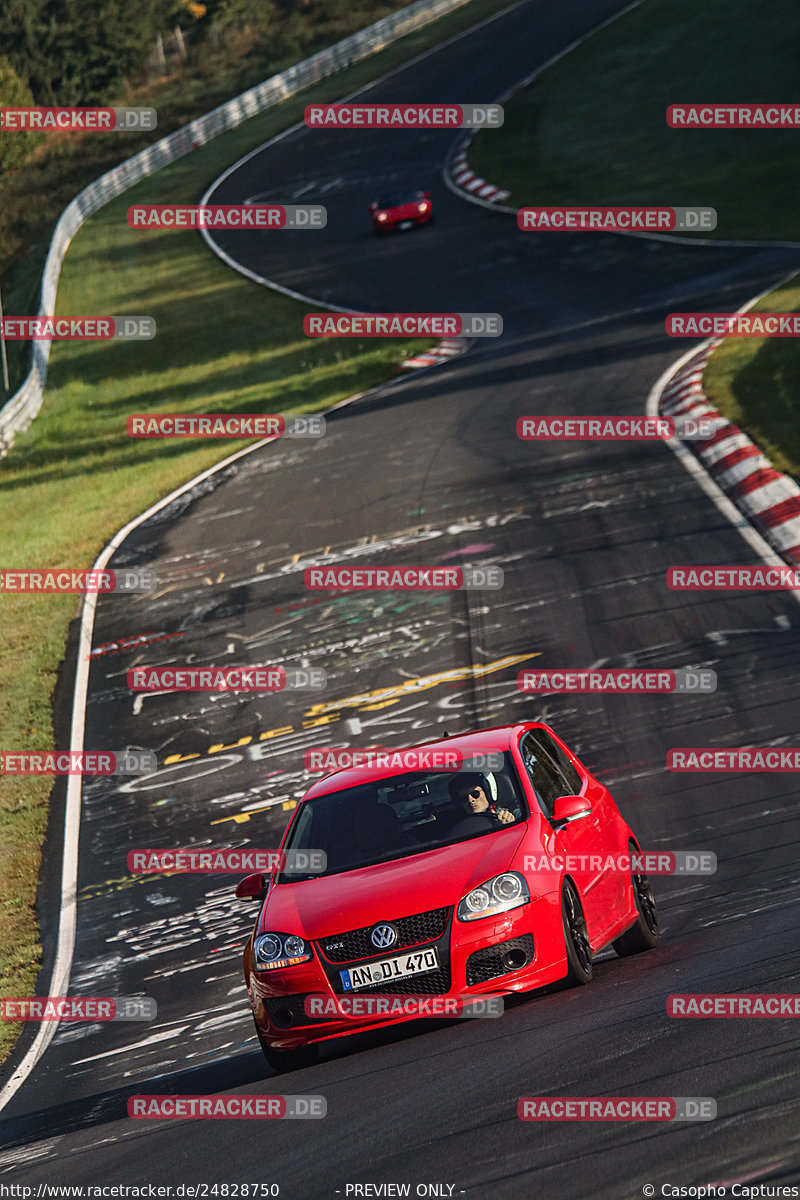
column 422, row 208
column 497, row 895
column 273, row 950
column 383, row 216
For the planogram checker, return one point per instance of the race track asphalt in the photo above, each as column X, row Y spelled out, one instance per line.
column 429, row 470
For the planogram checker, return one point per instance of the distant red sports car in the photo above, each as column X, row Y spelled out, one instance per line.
column 401, row 210
column 442, row 883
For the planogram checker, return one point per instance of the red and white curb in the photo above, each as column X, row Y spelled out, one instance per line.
column 457, row 173
column 466, row 180
column 447, row 349
column 768, row 498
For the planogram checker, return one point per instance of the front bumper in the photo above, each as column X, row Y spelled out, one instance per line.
column 496, row 956
column 393, row 223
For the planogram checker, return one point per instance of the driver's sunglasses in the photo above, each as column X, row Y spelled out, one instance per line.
column 474, row 792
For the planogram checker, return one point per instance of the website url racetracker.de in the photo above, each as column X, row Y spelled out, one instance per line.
column 106, row 1191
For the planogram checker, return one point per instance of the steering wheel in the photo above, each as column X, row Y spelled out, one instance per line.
column 475, row 823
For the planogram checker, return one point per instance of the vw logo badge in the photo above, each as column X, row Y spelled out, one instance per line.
column 383, row 936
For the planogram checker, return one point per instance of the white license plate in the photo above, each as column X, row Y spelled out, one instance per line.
column 406, row 224
column 415, row 963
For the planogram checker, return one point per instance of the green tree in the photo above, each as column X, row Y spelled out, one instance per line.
column 15, row 145
column 21, row 28
column 80, row 51
column 224, row 15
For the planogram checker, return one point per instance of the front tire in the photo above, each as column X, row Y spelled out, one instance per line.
column 288, row 1060
column 576, row 938
column 644, row 934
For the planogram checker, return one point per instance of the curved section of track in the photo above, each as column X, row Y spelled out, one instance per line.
column 429, row 470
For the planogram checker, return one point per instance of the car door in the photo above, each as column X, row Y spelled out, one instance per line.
column 579, row 842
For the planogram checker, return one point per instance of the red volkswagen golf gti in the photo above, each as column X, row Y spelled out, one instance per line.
column 446, row 883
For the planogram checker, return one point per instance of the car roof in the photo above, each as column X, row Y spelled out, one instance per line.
column 396, row 199
column 497, row 737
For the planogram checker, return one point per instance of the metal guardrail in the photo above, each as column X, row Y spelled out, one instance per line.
column 23, row 406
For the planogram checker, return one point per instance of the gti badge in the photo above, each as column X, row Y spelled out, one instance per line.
column 383, row 936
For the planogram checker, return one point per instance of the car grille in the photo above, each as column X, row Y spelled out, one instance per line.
column 429, row 929
column 488, row 963
column 412, row 931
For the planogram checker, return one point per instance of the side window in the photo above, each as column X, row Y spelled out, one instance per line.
column 543, row 762
column 567, row 769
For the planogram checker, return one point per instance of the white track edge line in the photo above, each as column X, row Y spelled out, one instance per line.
column 72, row 816
column 301, row 125
column 693, row 465
column 67, row 926
column 68, row 914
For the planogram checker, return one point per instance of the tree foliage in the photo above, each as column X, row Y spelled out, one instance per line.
column 15, row 145
column 80, row 51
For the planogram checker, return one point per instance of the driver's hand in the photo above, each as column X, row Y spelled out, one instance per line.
column 505, row 816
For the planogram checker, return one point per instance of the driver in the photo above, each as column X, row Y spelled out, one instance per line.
column 472, row 793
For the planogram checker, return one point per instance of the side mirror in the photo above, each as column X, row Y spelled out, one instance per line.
column 569, row 808
column 426, row 195
column 252, row 887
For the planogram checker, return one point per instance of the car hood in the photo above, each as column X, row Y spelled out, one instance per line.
column 410, row 209
column 333, row 904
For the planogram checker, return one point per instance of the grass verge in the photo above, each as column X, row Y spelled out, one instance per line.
column 74, row 478
column 592, row 129
column 755, row 382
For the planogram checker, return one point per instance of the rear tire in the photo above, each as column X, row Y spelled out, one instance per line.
column 288, row 1060
column 643, row 935
column 576, row 938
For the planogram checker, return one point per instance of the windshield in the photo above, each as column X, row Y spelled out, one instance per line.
column 396, row 199
column 405, row 814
